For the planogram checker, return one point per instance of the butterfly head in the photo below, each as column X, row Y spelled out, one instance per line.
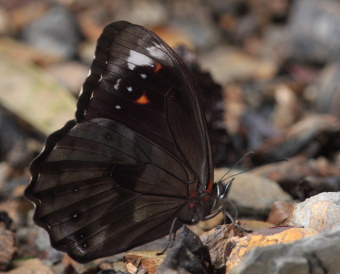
column 222, row 191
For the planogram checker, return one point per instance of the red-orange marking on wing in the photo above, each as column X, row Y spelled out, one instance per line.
column 143, row 100
column 158, row 67
column 193, row 195
column 210, row 186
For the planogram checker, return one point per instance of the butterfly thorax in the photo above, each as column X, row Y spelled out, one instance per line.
column 200, row 205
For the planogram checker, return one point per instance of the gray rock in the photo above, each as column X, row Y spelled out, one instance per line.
column 314, row 28
column 7, row 248
column 148, row 13
column 227, row 64
column 327, row 90
column 320, row 212
column 253, row 195
column 29, row 266
column 13, row 141
column 56, row 33
column 312, row 255
column 188, row 255
column 43, row 243
column 193, row 18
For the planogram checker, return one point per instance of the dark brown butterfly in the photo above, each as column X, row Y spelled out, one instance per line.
column 136, row 158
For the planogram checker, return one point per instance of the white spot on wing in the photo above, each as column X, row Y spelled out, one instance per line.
column 143, row 75
column 118, row 107
column 157, row 53
column 129, row 89
column 131, row 66
column 80, row 249
column 138, row 59
column 116, row 86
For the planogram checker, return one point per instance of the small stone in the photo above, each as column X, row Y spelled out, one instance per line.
column 314, row 28
column 44, row 246
column 26, row 12
column 56, row 32
column 315, row 254
column 217, row 240
column 30, row 266
column 326, row 89
column 14, row 141
column 279, row 212
column 188, row 255
column 25, row 54
column 320, row 212
column 313, row 135
column 15, row 186
column 117, row 266
column 148, row 260
column 70, row 74
column 18, row 192
column 244, row 66
column 5, row 171
column 287, row 108
column 254, row 225
column 243, row 246
column 145, row 12
column 253, row 195
column 5, row 220
column 7, row 247
column 17, row 209
column 25, row 239
column 90, row 267
column 5, row 26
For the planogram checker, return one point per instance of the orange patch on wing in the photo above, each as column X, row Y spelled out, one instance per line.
column 158, row 67
column 210, row 186
column 193, row 195
column 143, row 100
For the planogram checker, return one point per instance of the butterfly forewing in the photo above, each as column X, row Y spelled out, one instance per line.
column 147, row 87
column 136, row 156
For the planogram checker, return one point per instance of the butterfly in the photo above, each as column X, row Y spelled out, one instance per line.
column 135, row 162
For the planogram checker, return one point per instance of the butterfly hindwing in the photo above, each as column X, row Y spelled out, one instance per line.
column 89, row 199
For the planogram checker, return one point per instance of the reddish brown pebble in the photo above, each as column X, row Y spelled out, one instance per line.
column 7, row 247
column 279, row 212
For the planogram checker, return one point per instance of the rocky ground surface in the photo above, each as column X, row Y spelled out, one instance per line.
column 268, row 73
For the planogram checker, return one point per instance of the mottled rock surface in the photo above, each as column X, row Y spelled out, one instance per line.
column 320, row 212
column 316, row 254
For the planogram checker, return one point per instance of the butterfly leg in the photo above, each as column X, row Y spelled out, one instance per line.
column 212, row 215
column 227, row 214
column 172, row 237
column 232, row 219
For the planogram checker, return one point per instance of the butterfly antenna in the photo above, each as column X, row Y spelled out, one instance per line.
column 251, row 169
column 235, row 165
column 221, row 209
